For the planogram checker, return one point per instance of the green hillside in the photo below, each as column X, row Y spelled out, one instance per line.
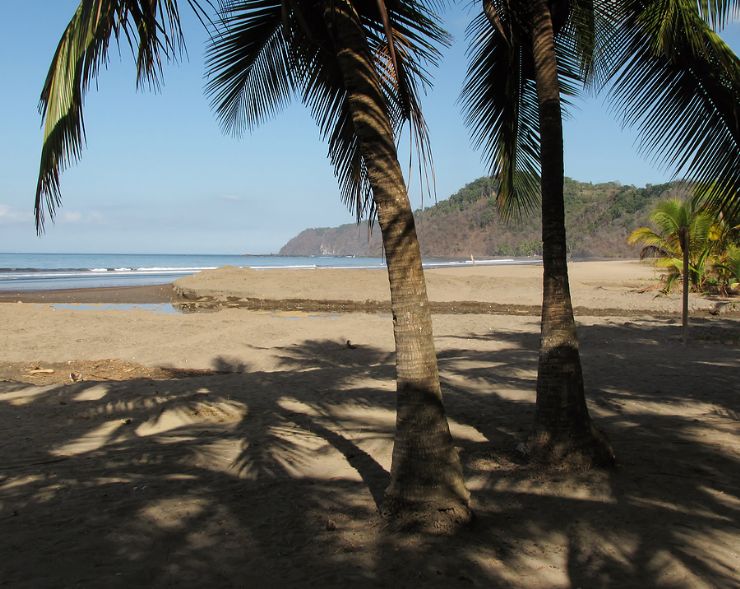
column 598, row 217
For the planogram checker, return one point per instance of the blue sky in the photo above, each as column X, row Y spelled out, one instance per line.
column 158, row 175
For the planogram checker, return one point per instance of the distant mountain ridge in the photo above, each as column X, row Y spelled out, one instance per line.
column 598, row 219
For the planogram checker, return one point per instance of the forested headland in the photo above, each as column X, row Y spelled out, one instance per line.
column 599, row 217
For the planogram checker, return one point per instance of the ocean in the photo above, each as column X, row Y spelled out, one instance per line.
column 59, row 271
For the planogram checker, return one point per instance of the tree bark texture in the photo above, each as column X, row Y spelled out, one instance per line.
column 563, row 432
column 426, row 480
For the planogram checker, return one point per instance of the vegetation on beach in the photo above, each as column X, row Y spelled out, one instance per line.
column 685, row 242
column 711, row 245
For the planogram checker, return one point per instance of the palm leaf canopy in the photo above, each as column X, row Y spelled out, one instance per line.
column 678, row 83
column 499, row 97
column 151, row 28
column 672, row 77
column 671, row 218
column 262, row 53
column 267, row 51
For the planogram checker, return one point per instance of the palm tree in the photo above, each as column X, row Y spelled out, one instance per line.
column 526, row 58
column 682, row 241
column 357, row 66
column 519, row 67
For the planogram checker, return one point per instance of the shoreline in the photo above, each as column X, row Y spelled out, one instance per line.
column 599, row 289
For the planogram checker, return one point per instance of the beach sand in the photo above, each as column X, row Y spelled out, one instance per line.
column 161, row 293
column 250, row 448
column 598, row 288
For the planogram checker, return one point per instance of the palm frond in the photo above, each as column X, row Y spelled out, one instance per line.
column 323, row 91
column 678, row 83
column 670, row 216
column 499, row 100
column 593, row 26
column 718, row 12
column 249, row 64
column 152, row 31
column 653, row 251
column 499, row 97
column 415, row 42
column 646, row 236
column 269, row 49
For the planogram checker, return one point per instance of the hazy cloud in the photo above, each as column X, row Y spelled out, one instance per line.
column 231, row 198
column 71, row 217
column 92, row 217
column 10, row 215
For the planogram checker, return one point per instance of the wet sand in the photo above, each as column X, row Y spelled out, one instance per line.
column 119, row 294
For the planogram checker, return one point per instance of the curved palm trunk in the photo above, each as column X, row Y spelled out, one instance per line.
column 426, row 474
column 563, row 432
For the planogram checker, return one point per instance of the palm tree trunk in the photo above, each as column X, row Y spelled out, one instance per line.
column 684, row 238
column 563, row 431
column 426, row 474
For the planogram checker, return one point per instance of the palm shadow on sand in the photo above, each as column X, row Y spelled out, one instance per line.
column 248, row 478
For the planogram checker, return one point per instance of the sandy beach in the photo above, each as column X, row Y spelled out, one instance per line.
column 249, row 446
column 598, row 288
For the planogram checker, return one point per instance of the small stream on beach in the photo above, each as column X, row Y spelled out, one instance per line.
column 164, row 308
column 176, row 309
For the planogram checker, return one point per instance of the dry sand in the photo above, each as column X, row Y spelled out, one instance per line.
column 250, row 448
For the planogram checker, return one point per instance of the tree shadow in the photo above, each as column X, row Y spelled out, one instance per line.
column 245, row 477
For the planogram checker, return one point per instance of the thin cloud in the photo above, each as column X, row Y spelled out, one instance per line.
column 231, row 198
column 77, row 217
column 71, row 217
column 10, row 215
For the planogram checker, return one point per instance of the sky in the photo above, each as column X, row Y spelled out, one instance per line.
column 157, row 174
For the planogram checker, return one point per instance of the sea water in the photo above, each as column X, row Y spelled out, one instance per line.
column 20, row 271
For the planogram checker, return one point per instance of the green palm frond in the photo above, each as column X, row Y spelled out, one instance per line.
column 152, row 31
column 710, row 199
column 654, row 245
column 499, row 97
column 583, row 25
column 700, row 230
column 417, row 37
column 593, row 26
column 253, row 76
column 670, row 216
column 646, row 236
column 678, row 83
column 270, row 50
column 674, row 263
column 322, row 89
column 672, row 219
column 718, row 12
